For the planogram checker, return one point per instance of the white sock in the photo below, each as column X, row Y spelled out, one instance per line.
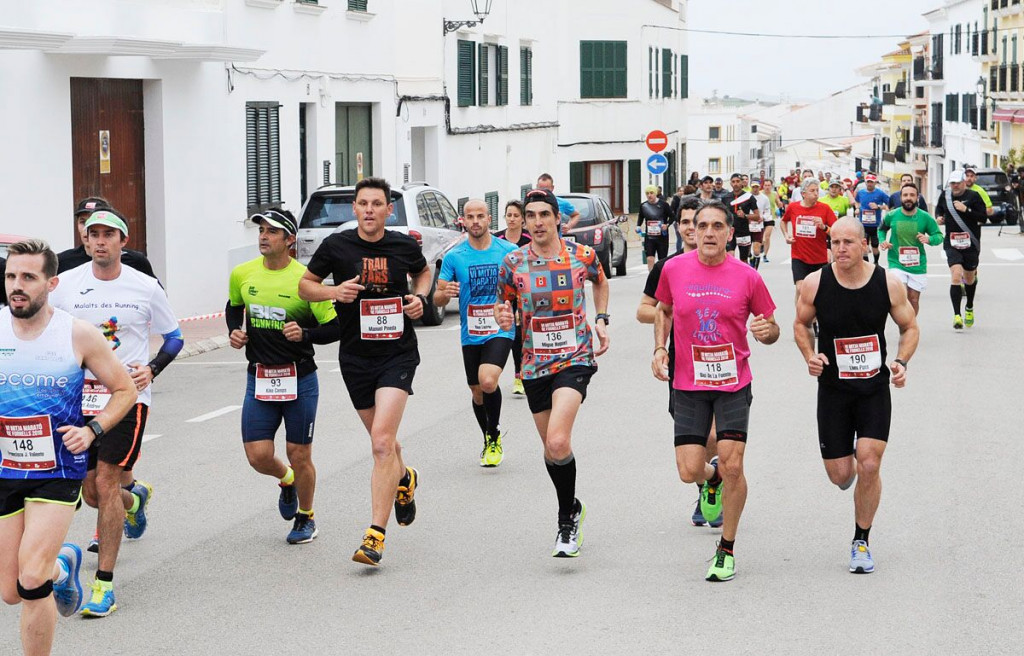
column 62, row 578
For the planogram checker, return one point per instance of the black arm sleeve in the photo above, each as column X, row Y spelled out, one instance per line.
column 324, row 333
column 3, row 287
column 234, row 315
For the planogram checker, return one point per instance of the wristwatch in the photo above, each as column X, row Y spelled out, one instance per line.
column 95, row 427
column 902, row 362
column 603, row 315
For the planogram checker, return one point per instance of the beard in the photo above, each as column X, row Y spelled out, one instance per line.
column 909, row 205
column 34, row 306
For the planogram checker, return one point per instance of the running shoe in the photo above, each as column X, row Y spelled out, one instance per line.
column 570, row 536
column 860, row 558
column 517, row 387
column 304, row 530
column 717, row 522
column 372, row 548
column 766, row 260
column 135, row 522
column 101, row 603
column 68, row 594
column 969, row 317
column 958, row 322
column 711, row 497
column 288, row 502
column 94, row 543
column 697, row 518
column 493, row 454
column 405, row 505
column 723, row 566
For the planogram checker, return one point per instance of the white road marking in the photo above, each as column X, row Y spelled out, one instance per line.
column 212, row 415
column 147, row 438
column 336, row 370
column 1011, row 254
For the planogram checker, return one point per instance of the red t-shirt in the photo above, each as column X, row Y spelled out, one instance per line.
column 811, row 245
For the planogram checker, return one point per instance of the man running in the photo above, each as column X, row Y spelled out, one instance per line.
column 515, row 234
column 769, row 222
column 756, row 223
column 706, row 297
column 851, row 300
column 808, row 232
column 282, row 384
column 706, row 189
column 912, row 229
column 43, row 440
column 719, row 192
column 378, row 352
column 962, row 211
column 469, row 272
column 653, row 221
column 127, row 306
column 570, row 215
column 896, row 199
column 971, row 178
column 76, row 257
column 871, row 202
column 546, row 280
column 836, row 200
column 742, row 212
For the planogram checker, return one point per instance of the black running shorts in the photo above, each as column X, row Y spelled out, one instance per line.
column 15, row 493
column 122, row 444
column 843, row 415
column 364, row 376
column 802, row 269
column 967, row 258
column 694, row 412
column 539, row 391
column 656, row 248
column 494, row 351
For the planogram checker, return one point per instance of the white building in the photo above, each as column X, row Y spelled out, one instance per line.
column 724, row 137
column 190, row 114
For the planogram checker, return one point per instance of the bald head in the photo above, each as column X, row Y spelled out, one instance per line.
column 474, row 205
column 476, row 218
column 849, row 225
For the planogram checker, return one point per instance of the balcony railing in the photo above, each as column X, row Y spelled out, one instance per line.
column 901, row 90
column 993, row 80
column 889, row 157
column 889, row 98
column 920, row 139
column 936, row 134
column 1014, row 78
column 1003, row 70
column 901, row 154
column 919, row 68
column 936, row 70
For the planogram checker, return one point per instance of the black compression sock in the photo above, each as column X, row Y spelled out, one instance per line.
column 861, row 533
column 971, row 288
column 492, row 404
column 563, row 475
column 102, row 575
column 405, row 480
column 955, row 295
column 480, row 412
column 726, row 545
column 875, row 255
column 379, row 529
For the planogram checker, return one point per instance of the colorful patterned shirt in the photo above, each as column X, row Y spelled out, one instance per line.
column 550, row 293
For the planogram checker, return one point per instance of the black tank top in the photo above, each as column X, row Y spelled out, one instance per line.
column 852, row 321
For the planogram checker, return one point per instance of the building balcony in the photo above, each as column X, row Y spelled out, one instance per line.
column 869, row 113
column 889, row 157
column 888, row 97
column 983, row 46
column 900, row 154
column 930, row 74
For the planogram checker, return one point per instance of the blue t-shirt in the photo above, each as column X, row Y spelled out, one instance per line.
column 864, row 198
column 477, row 274
column 565, row 210
column 895, row 203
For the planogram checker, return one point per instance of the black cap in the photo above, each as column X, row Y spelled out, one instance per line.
column 276, row 218
column 91, row 204
column 542, row 196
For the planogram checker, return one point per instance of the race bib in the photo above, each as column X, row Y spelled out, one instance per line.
column 480, row 320
column 26, row 443
column 805, row 227
column 756, row 226
column 743, row 241
column 654, row 228
column 277, row 382
column 714, row 366
column 381, row 318
column 960, row 240
column 910, row 256
column 858, row 357
column 94, row 397
column 868, row 218
column 554, row 335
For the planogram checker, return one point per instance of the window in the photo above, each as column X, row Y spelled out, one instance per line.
column 501, row 70
column 491, row 199
column 952, row 106
column 684, row 76
column 714, row 165
column 956, row 39
column 357, row 5
column 652, row 64
column 462, row 204
column 467, row 73
column 484, row 74
column 714, row 133
column 667, row 57
column 526, row 188
column 604, row 179
column 262, row 155
column 525, row 76
column 753, row 129
column 602, row 69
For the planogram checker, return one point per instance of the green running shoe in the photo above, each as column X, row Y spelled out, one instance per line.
column 969, row 317
column 723, row 566
column 958, row 322
column 711, row 497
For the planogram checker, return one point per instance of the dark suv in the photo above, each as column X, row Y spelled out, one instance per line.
column 997, row 184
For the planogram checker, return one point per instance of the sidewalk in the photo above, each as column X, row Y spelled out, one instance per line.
column 201, row 335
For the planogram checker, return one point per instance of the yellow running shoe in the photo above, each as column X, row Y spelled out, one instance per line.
column 492, row 455
column 958, row 322
column 371, row 550
column 517, row 387
column 405, row 505
column 969, row 317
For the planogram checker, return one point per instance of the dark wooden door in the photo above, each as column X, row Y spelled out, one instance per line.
column 101, row 106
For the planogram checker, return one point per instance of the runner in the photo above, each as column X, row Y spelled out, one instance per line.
column 76, row 257
column 44, row 439
column 808, row 235
column 871, row 203
column 570, row 215
column 743, row 208
column 971, row 178
column 836, row 200
column 895, row 198
column 775, row 198
column 647, row 313
column 851, row 300
column 707, row 296
column 719, row 192
column 470, row 273
column 378, row 352
column 962, row 211
column 282, row 384
column 546, row 280
column 913, row 229
column 706, row 189
column 127, row 306
column 756, row 223
column 653, row 221
column 515, row 233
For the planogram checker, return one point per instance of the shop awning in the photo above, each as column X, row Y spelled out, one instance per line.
column 1008, row 115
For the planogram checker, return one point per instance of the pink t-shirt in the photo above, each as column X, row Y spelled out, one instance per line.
column 710, row 308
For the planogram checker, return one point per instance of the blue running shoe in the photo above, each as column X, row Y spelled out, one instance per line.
column 135, row 522
column 304, row 529
column 101, row 603
column 716, row 522
column 288, row 502
column 697, row 519
column 860, row 558
column 68, row 594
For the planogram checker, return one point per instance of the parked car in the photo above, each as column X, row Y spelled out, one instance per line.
column 997, row 184
column 607, row 240
column 7, row 240
column 420, row 211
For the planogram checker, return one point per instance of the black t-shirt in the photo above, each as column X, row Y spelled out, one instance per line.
column 749, row 208
column 972, row 217
column 655, row 212
column 524, row 238
column 383, row 267
column 650, row 289
column 76, row 257
column 3, row 281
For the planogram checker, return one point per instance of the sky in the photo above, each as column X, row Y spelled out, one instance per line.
column 801, row 69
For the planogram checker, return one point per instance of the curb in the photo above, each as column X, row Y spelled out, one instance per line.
column 203, row 346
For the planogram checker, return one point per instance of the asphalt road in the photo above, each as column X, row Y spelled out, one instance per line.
column 474, row 573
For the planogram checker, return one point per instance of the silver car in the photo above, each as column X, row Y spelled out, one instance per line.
column 605, row 235
column 420, row 211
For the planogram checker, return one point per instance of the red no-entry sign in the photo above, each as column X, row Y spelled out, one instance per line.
column 657, row 141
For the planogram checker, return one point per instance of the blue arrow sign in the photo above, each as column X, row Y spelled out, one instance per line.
column 657, row 163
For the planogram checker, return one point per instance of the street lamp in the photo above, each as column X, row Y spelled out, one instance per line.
column 981, row 86
column 481, row 8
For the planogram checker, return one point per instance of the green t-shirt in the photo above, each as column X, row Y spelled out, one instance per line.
column 905, row 230
column 840, row 204
column 984, row 195
column 271, row 299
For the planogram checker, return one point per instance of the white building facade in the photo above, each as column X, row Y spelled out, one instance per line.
column 188, row 115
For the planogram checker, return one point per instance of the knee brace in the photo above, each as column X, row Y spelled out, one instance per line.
column 42, row 592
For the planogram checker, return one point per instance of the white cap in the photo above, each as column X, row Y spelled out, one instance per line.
column 955, row 176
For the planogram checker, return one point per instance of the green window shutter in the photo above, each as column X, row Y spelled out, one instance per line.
column 462, row 205
column 667, row 57
column 502, row 69
column 618, row 87
column 467, row 73
column 650, row 72
column 586, row 69
column 491, row 198
column 684, row 76
column 483, row 86
column 526, row 188
column 577, row 183
column 357, row 5
column 602, row 69
column 635, row 192
column 525, row 76
column 668, row 184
